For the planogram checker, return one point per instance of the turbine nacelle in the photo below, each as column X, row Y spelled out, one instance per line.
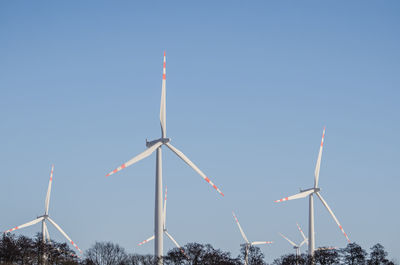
column 314, row 189
column 161, row 140
column 45, row 216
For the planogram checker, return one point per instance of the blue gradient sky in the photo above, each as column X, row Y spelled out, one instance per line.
column 249, row 88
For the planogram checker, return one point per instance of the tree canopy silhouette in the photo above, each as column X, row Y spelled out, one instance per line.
column 21, row 250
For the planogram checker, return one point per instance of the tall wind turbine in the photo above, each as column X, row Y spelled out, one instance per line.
column 46, row 217
column 151, row 147
column 248, row 243
column 297, row 246
column 310, row 192
column 165, row 228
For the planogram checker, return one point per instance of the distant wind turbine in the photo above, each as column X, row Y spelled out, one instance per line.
column 46, row 217
column 151, row 147
column 248, row 244
column 297, row 246
column 310, row 192
column 165, row 228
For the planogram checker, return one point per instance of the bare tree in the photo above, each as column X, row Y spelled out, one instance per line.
column 354, row 254
column 378, row 255
column 106, row 253
column 326, row 257
column 255, row 256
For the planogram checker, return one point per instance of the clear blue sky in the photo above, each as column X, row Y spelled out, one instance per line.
column 250, row 86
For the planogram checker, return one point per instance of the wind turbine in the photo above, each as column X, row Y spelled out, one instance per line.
column 310, row 192
column 248, row 244
column 46, row 217
column 306, row 240
column 296, row 246
column 165, row 228
column 151, row 147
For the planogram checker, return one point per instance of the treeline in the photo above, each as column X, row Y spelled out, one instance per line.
column 22, row 250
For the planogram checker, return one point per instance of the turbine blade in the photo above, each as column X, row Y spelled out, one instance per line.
column 304, row 241
column 296, row 196
column 290, row 241
column 176, row 243
column 172, row 239
column 163, row 102
column 240, row 228
column 301, row 231
column 137, row 158
column 64, row 234
column 261, row 242
column 165, row 208
column 192, row 165
column 318, row 165
column 145, row 241
column 334, row 217
column 25, row 225
column 47, row 202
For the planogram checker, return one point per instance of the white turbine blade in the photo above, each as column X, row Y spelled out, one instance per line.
column 297, row 196
column 47, row 202
column 163, row 102
column 176, row 243
column 25, row 225
column 290, row 241
column 261, row 243
column 318, row 165
column 301, row 231
column 240, row 228
column 64, row 234
column 192, row 165
column 165, row 207
column 46, row 232
column 304, row 241
column 172, row 239
column 137, row 158
column 334, row 217
column 145, row 241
